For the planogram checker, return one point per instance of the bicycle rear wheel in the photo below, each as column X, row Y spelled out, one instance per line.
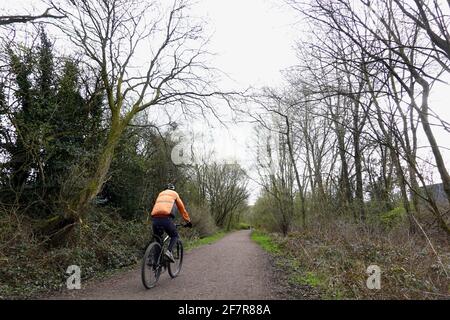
column 151, row 266
column 174, row 268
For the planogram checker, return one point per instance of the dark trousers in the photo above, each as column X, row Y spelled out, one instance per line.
column 161, row 225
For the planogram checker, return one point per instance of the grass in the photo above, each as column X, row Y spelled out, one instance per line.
column 266, row 242
column 191, row 244
column 309, row 278
column 331, row 259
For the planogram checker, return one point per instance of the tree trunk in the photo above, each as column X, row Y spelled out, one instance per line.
column 359, row 181
column 297, row 176
column 95, row 183
column 445, row 177
column 345, row 181
column 404, row 193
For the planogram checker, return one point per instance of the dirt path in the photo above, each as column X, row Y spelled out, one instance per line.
column 232, row 268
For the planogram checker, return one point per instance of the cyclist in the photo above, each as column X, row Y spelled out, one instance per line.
column 166, row 206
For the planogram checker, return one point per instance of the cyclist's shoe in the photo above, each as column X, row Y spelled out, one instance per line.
column 169, row 256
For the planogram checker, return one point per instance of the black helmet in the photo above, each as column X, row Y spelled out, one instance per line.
column 170, row 186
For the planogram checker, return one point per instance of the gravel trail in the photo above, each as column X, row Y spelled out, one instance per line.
column 233, row 268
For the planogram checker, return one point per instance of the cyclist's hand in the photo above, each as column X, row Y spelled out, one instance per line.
column 189, row 225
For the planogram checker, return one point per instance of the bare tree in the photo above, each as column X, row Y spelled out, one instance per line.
column 147, row 54
column 11, row 19
column 433, row 17
column 225, row 186
column 395, row 63
column 277, row 106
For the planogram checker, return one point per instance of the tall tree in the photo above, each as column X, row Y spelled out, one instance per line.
column 112, row 35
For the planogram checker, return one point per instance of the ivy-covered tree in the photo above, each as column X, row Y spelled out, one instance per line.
column 50, row 125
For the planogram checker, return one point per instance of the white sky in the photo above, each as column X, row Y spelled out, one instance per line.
column 253, row 40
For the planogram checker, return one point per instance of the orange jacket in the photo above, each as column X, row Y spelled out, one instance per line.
column 165, row 204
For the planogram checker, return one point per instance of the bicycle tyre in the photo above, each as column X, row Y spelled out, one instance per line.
column 150, row 276
column 178, row 255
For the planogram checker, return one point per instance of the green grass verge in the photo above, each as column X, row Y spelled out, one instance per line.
column 191, row 244
column 297, row 274
column 309, row 278
column 265, row 241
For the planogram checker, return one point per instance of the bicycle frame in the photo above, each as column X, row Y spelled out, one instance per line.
column 161, row 260
column 161, row 241
column 162, row 263
column 158, row 239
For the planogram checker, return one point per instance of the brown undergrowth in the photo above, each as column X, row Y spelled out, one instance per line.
column 329, row 260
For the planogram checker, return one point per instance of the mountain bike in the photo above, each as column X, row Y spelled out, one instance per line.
column 155, row 262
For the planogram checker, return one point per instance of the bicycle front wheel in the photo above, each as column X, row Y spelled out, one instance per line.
column 151, row 265
column 174, row 268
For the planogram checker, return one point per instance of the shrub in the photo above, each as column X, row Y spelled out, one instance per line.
column 333, row 256
column 243, row 226
column 28, row 267
column 202, row 220
column 393, row 218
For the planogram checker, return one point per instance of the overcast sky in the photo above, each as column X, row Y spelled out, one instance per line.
column 253, row 41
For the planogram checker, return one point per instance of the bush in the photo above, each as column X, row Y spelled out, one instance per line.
column 333, row 256
column 243, row 226
column 393, row 218
column 202, row 220
column 261, row 215
column 29, row 268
